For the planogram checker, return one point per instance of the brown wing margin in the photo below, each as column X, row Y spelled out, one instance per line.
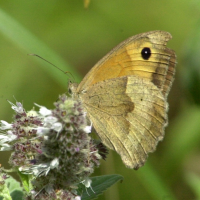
column 170, row 73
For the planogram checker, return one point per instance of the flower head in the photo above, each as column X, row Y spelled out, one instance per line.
column 53, row 146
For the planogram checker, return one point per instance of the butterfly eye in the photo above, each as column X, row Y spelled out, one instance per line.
column 69, row 91
column 146, row 53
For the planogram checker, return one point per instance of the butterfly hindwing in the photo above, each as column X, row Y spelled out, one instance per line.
column 129, row 115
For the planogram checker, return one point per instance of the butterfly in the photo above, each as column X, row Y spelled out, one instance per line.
column 125, row 95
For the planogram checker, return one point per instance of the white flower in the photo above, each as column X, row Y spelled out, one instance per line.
column 77, row 198
column 41, row 169
column 57, row 126
column 25, row 169
column 5, row 139
column 32, row 113
column 18, row 107
column 43, row 110
column 5, row 125
column 51, row 123
column 50, row 120
column 37, row 170
column 5, row 147
column 54, row 163
column 88, row 129
column 41, row 131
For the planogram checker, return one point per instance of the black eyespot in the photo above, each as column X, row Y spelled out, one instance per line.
column 146, row 53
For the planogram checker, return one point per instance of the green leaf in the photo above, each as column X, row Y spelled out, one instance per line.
column 17, row 195
column 99, row 185
column 4, row 192
column 12, row 189
column 26, row 181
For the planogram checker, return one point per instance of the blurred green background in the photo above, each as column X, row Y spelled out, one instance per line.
column 74, row 39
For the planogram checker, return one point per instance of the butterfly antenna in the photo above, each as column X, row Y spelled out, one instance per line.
column 67, row 72
column 52, row 64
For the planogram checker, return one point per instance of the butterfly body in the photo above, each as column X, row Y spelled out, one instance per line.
column 125, row 93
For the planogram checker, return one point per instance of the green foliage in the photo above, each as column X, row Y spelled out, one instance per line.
column 12, row 190
column 98, row 186
column 26, row 181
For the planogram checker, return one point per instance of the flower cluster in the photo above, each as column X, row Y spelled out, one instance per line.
column 53, row 146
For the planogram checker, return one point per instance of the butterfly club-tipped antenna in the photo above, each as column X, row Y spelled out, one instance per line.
column 65, row 72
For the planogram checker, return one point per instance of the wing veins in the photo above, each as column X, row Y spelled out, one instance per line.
column 120, row 142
